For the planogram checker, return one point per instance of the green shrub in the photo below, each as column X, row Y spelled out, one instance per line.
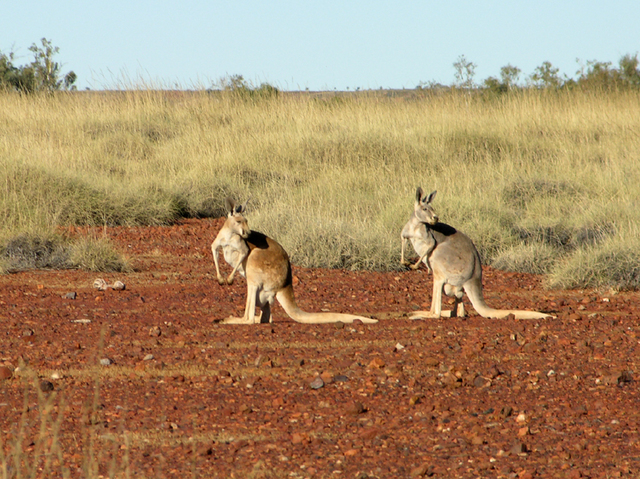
column 97, row 255
column 30, row 251
column 35, row 251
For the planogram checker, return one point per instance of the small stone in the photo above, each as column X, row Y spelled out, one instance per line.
column 477, row 441
column 148, row 357
column 480, row 382
column 5, row 373
column 118, row 286
column 299, row 438
column 522, row 417
column 376, row 363
column 341, row 378
column 431, row 362
column 398, row 347
column 423, row 470
column 518, row 448
column 523, row 431
column 355, row 408
column 46, row 386
column 72, row 295
column 580, row 410
column 155, row 331
column 317, row 383
column 106, row 362
column 416, row 399
column 327, row 377
column 506, row 411
column 625, row 377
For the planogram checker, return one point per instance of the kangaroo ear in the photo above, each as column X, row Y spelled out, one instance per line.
column 230, row 204
column 419, row 194
column 431, row 197
column 243, row 208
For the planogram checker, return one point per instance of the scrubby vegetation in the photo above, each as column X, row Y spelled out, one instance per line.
column 542, row 177
column 538, row 179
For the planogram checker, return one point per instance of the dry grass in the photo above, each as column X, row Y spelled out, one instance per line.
column 333, row 178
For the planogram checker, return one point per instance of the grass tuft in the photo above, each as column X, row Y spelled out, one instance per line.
column 613, row 265
column 97, row 255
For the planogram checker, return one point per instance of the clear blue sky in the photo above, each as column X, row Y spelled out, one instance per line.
column 317, row 45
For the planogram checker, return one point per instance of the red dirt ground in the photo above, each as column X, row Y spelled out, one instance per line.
column 187, row 397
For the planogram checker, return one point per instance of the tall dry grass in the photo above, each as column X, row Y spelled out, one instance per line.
column 540, row 181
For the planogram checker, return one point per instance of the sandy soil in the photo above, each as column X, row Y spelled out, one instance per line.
column 183, row 396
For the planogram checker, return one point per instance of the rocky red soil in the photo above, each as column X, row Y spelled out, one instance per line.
column 143, row 382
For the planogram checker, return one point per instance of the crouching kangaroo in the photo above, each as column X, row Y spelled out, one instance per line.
column 266, row 266
column 455, row 263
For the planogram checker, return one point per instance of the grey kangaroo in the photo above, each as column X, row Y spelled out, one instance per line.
column 455, row 263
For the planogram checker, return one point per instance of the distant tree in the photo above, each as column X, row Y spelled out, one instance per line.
column 629, row 72
column 546, row 76
column 42, row 74
column 493, row 85
column 603, row 76
column 509, row 75
column 508, row 80
column 465, row 71
column 243, row 89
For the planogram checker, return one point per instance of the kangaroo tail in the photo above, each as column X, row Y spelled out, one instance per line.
column 288, row 302
column 474, row 291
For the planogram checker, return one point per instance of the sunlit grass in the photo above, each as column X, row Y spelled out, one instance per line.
column 333, row 178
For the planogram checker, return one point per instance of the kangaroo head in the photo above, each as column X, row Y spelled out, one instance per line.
column 236, row 221
column 423, row 209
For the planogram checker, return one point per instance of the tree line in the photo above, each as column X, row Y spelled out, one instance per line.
column 43, row 73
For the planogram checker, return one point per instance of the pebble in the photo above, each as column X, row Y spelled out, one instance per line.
column 106, row 362
column 355, row 408
column 317, row 383
column 46, row 386
column 376, row 363
column 148, row 357
column 72, row 295
column 518, row 448
column 423, row 470
column 5, row 373
column 506, row 411
column 155, row 331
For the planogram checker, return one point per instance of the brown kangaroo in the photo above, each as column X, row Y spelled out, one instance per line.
column 267, row 268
